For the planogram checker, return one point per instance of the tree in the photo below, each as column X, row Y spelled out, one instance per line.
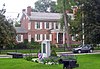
column 44, row 6
column 91, row 11
column 62, row 7
column 7, row 32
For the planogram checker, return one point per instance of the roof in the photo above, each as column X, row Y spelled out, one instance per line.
column 20, row 30
column 45, row 16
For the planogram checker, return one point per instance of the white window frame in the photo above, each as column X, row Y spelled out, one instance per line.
column 21, row 37
column 50, row 37
column 45, row 25
column 38, row 37
column 40, row 25
column 29, row 25
column 56, row 24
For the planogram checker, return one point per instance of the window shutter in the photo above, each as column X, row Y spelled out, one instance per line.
column 50, row 25
column 44, row 25
column 29, row 37
column 54, row 25
column 40, row 25
column 35, row 37
column 41, row 37
column 35, row 25
column 59, row 26
column 21, row 38
column 50, row 37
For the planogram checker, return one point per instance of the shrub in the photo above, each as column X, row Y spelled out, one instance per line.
column 21, row 46
column 74, row 45
column 28, row 58
column 50, row 60
column 53, row 53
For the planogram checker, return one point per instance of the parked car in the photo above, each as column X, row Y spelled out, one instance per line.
column 83, row 49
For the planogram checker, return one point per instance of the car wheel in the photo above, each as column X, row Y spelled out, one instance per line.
column 91, row 50
column 79, row 51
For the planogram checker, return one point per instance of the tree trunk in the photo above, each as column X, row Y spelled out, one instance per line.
column 66, row 25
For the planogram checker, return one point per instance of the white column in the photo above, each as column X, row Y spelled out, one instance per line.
column 57, row 37
column 64, row 38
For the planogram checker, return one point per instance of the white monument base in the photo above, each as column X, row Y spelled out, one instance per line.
column 45, row 48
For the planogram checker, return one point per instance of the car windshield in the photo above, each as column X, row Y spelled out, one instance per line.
column 80, row 46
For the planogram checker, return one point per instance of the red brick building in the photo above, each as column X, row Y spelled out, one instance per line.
column 41, row 26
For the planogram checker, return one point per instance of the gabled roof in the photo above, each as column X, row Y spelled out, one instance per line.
column 20, row 30
column 45, row 16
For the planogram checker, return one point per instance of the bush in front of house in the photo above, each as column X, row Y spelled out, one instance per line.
column 50, row 60
column 53, row 53
column 74, row 45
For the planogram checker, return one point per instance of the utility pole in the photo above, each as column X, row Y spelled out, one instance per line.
column 66, row 24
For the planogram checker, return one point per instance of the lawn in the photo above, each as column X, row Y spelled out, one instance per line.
column 85, row 62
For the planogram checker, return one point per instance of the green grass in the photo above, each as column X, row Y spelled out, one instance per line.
column 85, row 62
column 23, row 64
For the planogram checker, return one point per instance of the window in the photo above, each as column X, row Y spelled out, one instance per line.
column 47, row 25
column 38, row 36
column 48, row 37
column 19, row 37
column 38, row 25
column 56, row 26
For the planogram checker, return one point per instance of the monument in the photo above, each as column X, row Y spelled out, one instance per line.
column 45, row 48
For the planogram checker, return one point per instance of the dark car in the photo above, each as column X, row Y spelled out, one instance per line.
column 83, row 49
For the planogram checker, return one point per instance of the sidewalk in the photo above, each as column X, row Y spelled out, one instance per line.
column 5, row 56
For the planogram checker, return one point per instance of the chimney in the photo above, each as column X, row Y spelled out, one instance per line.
column 29, row 10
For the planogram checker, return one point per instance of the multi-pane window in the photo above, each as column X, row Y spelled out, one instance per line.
column 19, row 37
column 38, row 36
column 47, row 25
column 47, row 37
column 56, row 26
column 38, row 25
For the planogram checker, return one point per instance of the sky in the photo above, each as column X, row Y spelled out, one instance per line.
column 13, row 7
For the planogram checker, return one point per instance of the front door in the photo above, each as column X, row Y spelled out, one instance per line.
column 60, row 38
